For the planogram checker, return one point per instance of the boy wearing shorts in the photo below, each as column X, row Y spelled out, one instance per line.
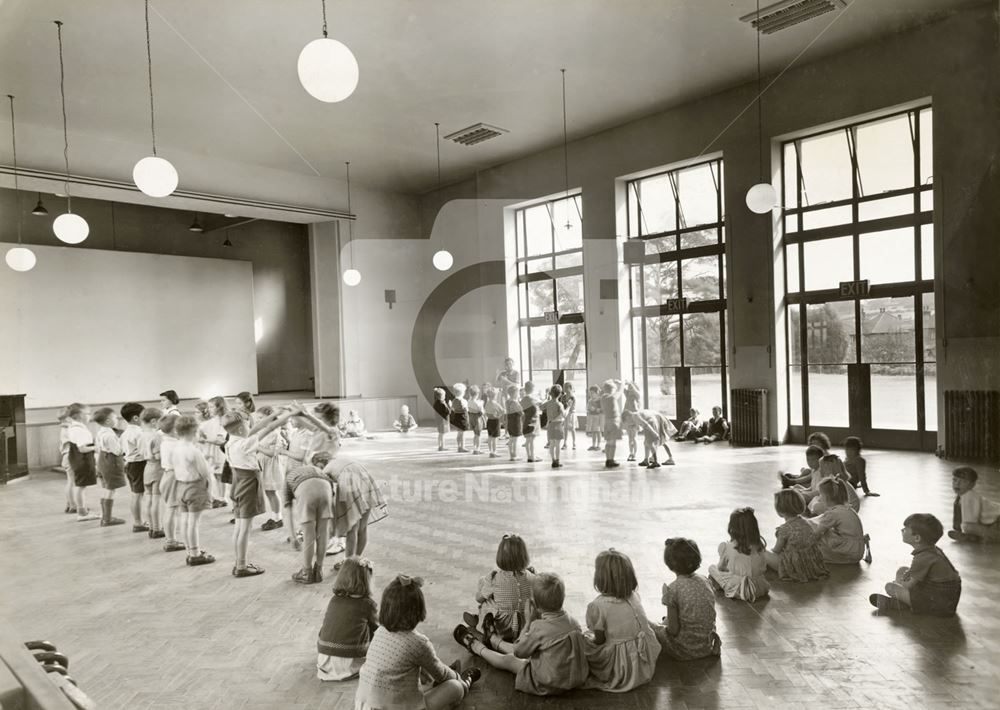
column 135, row 461
column 153, row 472
column 193, row 477
column 308, row 499
column 110, row 469
column 975, row 518
column 168, row 484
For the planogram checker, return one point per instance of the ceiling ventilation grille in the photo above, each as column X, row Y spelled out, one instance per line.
column 475, row 134
column 785, row 14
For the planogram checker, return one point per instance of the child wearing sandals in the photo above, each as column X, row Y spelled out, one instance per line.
column 550, row 657
column 841, row 536
column 194, row 480
column 135, row 462
column 358, row 503
column 351, row 619
column 555, row 416
column 656, row 431
column 502, row 595
column 81, row 458
column 459, row 417
column 930, row 585
column 494, row 412
column 398, row 656
column 796, row 556
column 168, row 484
column 741, row 568
column 308, row 496
column 622, row 648
column 688, row 630
column 110, row 466
column 443, row 412
column 152, row 474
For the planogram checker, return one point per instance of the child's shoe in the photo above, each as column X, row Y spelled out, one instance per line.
column 108, row 522
column 70, row 509
column 270, row 524
column 611, row 464
column 471, row 620
column 85, row 515
column 250, row 570
column 630, row 458
column 318, row 572
column 202, row 558
column 669, row 462
column 217, row 503
column 304, row 576
column 142, row 527
column 654, row 464
column 494, row 455
column 644, row 463
column 174, row 546
column 471, row 675
column 884, row 603
column 157, row 534
column 440, row 448
column 959, row 536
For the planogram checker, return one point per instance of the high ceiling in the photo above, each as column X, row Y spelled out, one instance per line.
column 227, row 90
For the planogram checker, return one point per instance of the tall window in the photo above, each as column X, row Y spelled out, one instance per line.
column 549, row 248
column 677, row 276
column 859, row 278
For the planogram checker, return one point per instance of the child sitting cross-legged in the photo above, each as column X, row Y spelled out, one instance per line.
column 931, row 584
column 975, row 518
column 796, row 556
column 741, row 568
column 688, row 630
column 550, row 657
column 504, row 593
column 351, row 619
column 405, row 422
column 857, row 467
column 840, row 535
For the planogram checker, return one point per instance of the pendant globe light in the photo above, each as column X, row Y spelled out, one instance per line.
column 19, row 258
column 352, row 277
column 761, row 198
column 153, row 175
column 327, row 68
column 442, row 260
column 68, row 227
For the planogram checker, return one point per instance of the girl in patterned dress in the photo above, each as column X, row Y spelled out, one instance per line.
column 688, row 630
column 842, row 538
column 504, row 592
column 741, row 568
column 632, row 398
column 595, row 422
column 268, row 458
column 796, row 556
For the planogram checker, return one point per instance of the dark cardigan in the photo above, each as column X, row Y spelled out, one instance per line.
column 347, row 627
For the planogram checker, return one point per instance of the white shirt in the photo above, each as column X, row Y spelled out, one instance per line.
column 189, row 463
column 131, row 441
column 977, row 509
column 150, row 445
column 172, row 409
column 242, row 452
column 107, row 441
column 167, row 446
column 78, row 433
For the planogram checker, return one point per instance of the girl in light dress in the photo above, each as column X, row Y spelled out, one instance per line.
column 741, row 568
column 595, row 422
column 622, row 648
column 688, row 630
column 503, row 594
column 211, row 437
column 631, row 405
column 830, row 466
column 841, row 536
column 796, row 556
column 555, row 417
column 568, row 400
column 268, row 456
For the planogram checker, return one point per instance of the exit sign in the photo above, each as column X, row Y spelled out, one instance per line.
column 854, row 288
column 676, row 305
column 551, row 317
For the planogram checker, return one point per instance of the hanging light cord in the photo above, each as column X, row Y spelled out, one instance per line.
column 62, row 94
column 565, row 135
column 149, row 65
column 760, row 101
column 350, row 223
column 437, row 132
column 13, row 143
column 324, row 18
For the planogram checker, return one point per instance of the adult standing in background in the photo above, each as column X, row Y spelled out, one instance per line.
column 168, row 403
column 508, row 375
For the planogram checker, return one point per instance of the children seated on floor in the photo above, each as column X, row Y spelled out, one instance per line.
column 354, row 426
column 796, row 556
column 716, row 428
column 404, row 422
column 974, row 518
column 351, row 619
column 840, row 535
column 503, row 593
column 688, row 630
column 930, row 584
column 740, row 571
column 857, row 467
column 692, row 427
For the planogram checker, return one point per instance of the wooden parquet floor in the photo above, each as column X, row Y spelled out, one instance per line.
column 142, row 630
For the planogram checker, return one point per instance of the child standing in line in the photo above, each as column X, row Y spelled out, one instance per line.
column 209, row 439
column 974, row 518
column 494, row 412
column 64, row 460
column 135, row 462
column 168, row 484
column 246, row 406
column 515, row 421
column 267, row 458
column 716, row 428
column 529, row 405
column 568, row 401
column 81, row 457
column 796, row 556
column 475, row 407
column 555, row 415
column 741, row 568
column 350, row 620
column 594, row 423
column 622, row 648
column 398, row 654
column 443, row 412
column 611, row 412
column 504, row 592
column 110, row 467
column 194, row 478
column 688, row 630
column 215, row 434
column 405, row 422
column 857, row 467
column 632, row 398
column 152, row 474
column 459, row 416
column 550, row 657
column 841, row 536
column 931, row 584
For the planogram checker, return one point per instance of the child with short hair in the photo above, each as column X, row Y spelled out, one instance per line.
column 354, row 426
column 443, row 412
column 841, row 536
column 459, row 417
column 550, row 657
column 152, row 474
column 741, row 568
column 268, row 448
column 350, row 620
column 216, row 437
column 692, row 427
column 398, row 655
column 515, row 421
column 64, row 460
column 830, row 466
column 168, row 484
column 930, row 585
column 475, row 407
column 611, row 414
column 594, row 421
column 194, row 479
column 716, row 428
column 622, row 648
column 529, row 405
column 632, row 404
column 857, row 467
column 974, row 517
column 81, row 457
column 808, row 475
column 568, row 401
column 494, row 413
column 308, row 497
column 796, row 556
column 688, row 630
column 555, row 415
column 135, row 462
column 503, row 593
column 110, row 467
column 656, row 431
column 405, row 422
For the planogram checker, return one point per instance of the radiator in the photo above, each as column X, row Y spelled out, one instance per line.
column 972, row 425
column 749, row 417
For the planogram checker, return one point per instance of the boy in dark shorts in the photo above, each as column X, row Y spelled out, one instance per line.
column 135, row 461
column 308, row 502
column 193, row 477
column 110, row 468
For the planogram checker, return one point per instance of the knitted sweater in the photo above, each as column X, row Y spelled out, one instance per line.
column 389, row 678
column 347, row 627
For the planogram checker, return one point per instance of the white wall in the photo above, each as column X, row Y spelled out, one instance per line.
column 101, row 326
